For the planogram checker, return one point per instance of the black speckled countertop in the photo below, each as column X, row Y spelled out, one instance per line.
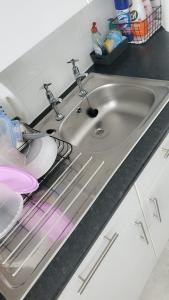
column 151, row 61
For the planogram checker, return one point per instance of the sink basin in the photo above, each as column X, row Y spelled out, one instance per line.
column 121, row 109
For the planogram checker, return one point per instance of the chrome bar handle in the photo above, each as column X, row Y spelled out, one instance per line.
column 157, row 208
column 144, row 235
column 86, row 280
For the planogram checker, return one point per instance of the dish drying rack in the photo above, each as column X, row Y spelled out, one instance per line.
column 150, row 25
column 50, row 215
column 64, row 151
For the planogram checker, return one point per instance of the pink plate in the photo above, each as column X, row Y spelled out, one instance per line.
column 18, row 180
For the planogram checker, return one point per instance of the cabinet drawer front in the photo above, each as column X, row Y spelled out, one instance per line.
column 153, row 169
column 156, row 210
column 123, row 249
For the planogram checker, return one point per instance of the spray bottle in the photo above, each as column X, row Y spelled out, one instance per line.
column 123, row 15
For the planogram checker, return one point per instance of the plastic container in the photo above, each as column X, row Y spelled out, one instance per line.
column 123, row 15
column 108, row 59
column 114, row 37
column 114, row 33
column 9, row 130
column 6, row 129
column 147, row 7
column 10, row 156
column 155, row 3
column 18, row 180
column 11, row 206
column 121, row 5
column 97, row 40
column 16, row 132
column 138, row 18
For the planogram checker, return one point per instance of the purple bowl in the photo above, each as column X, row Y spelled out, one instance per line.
column 18, row 180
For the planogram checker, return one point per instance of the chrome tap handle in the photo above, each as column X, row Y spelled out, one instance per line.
column 78, row 77
column 50, row 95
column 59, row 100
column 45, row 86
column 81, row 76
column 73, row 62
column 53, row 100
column 75, row 68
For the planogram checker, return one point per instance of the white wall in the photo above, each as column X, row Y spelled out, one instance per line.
column 47, row 61
column 25, row 23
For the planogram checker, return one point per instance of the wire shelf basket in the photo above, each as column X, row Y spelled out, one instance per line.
column 142, row 31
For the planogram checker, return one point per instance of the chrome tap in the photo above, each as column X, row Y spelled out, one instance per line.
column 78, row 77
column 53, row 101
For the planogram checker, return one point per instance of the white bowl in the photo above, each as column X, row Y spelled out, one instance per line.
column 11, row 207
column 41, row 156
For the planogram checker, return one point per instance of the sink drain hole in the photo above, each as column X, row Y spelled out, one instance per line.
column 99, row 131
column 92, row 112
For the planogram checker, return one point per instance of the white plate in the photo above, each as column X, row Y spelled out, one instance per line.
column 41, row 156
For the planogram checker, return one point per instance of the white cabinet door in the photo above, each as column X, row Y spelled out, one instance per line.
column 152, row 172
column 24, row 23
column 119, row 264
column 156, row 211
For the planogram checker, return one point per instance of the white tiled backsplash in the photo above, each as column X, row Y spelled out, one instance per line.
column 47, row 62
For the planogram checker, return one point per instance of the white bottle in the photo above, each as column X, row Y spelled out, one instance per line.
column 130, row 3
column 147, row 7
column 97, row 40
column 138, row 17
column 137, row 11
column 155, row 3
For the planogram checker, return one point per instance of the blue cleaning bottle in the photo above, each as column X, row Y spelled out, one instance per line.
column 123, row 15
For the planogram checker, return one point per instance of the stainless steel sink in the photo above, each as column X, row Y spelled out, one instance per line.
column 126, row 109
column 121, row 109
